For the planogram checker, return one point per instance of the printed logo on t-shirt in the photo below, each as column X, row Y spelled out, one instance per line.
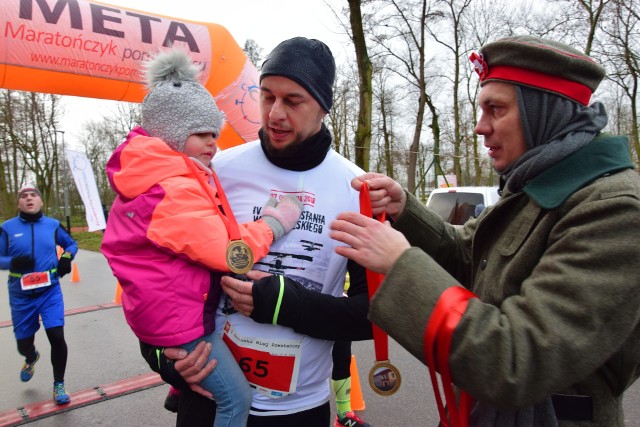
column 306, row 198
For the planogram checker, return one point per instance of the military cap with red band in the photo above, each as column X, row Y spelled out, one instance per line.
column 542, row 64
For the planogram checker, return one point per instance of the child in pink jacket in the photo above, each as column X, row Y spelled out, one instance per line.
column 169, row 235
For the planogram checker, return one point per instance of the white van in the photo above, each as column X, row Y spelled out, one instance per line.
column 457, row 204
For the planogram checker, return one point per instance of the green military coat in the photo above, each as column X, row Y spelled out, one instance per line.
column 556, row 268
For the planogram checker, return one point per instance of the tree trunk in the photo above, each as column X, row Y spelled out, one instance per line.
column 365, row 70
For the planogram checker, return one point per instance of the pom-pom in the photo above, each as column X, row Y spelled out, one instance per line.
column 174, row 66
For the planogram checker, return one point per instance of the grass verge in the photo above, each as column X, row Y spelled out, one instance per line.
column 87, row 240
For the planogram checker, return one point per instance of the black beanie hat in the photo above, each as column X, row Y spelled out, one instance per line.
column 539, row 63
column 308, row 62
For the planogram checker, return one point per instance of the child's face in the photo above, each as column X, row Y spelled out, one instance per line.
column 202, row 146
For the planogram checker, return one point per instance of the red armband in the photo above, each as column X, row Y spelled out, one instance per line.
column 437, row 344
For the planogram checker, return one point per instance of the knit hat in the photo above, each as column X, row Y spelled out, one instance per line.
column 29, row 187
column 177, row 105
column 542, row 64
column 308, row 62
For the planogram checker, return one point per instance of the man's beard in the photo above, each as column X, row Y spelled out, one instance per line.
column 288, row 152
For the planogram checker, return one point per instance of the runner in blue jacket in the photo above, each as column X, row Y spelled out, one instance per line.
column 28, row 249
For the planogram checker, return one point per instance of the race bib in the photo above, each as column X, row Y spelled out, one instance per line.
column 270, row 365
column 35, row 280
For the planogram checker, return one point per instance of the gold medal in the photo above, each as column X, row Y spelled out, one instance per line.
column 384, row 378
column 239, row 257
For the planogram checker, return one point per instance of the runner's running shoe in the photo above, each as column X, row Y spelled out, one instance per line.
column 350, row 419
column 26, row 373
column 60, row 396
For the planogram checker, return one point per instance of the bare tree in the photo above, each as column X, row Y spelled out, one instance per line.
column 621, row 55
column 452, row 39
column 341, row 120
column 580, row 12
column 11, row 170
column 253, row 52
column 365, row 71
column 101, row 137
column 384, row 95
column 401, row 36
column 28, row 123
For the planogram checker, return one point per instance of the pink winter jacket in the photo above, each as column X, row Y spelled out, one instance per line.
column 166, row 242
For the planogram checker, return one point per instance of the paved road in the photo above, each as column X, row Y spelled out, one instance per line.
column 102, row 350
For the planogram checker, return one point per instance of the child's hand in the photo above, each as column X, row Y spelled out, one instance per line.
column 282, row 216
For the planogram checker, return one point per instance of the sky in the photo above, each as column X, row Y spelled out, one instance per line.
column 268, row 22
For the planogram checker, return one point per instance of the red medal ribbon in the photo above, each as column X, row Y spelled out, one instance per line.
column 380, row 340
column 234, row 230
column 437, row 344
column 227, row 216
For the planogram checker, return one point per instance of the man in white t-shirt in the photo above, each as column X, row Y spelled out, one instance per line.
column 281, row 325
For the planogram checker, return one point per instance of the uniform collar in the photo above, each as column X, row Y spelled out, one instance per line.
column 602, row 156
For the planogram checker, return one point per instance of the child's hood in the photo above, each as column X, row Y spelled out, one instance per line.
column 141, row 162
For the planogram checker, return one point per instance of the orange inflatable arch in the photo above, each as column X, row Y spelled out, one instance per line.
column 95, row 50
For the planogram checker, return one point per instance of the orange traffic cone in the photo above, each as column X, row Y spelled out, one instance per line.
column 60, row 250
column 118, row 298
column 357, row 402
column 75, row 276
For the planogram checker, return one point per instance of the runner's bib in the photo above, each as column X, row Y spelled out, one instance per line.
column 35, row 280
column 270, row 365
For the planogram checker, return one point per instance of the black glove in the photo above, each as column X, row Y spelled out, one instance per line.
column 22, row 264
column 64, row 265
column 267, row 296
column 159, row 363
